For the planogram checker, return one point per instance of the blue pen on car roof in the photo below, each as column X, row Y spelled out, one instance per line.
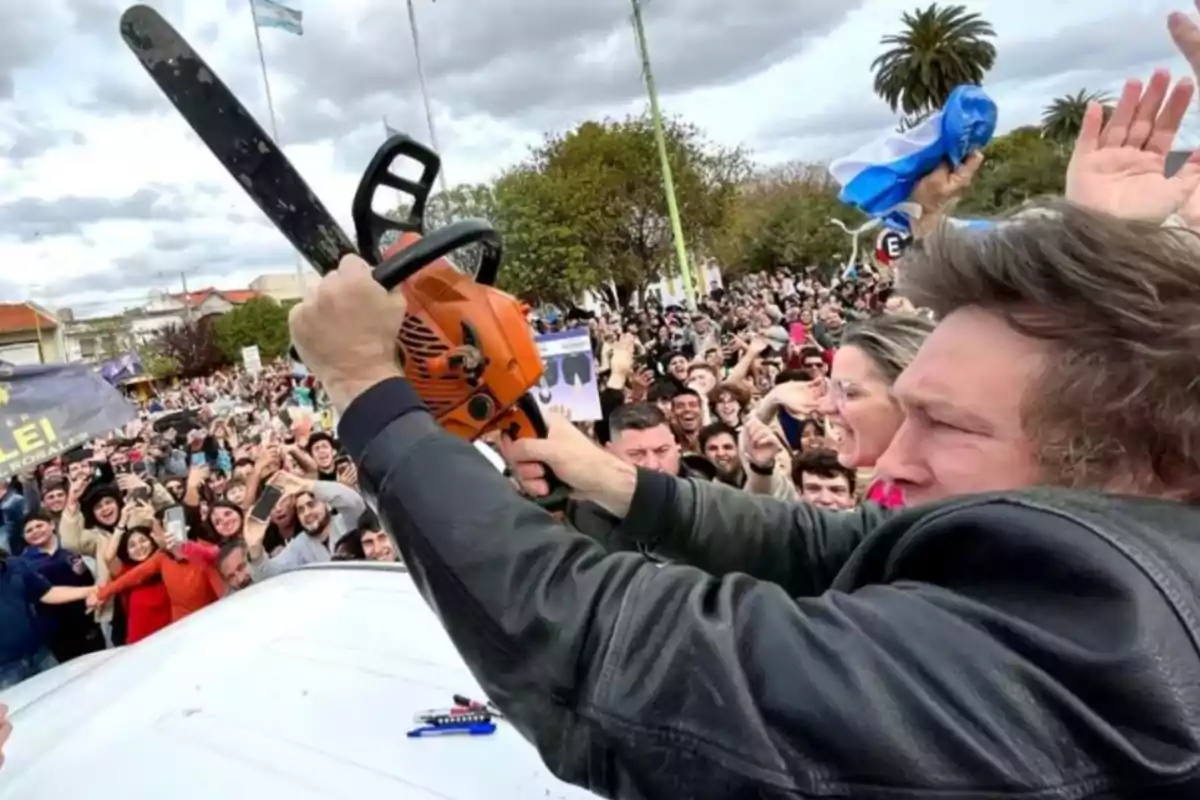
column 470, row 729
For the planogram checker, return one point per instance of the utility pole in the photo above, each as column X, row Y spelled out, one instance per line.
column 37, row 325
column 187, row 300
column 416, row 39
column 661, row 140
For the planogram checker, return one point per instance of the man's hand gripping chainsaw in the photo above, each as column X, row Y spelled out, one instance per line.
column 466, row 346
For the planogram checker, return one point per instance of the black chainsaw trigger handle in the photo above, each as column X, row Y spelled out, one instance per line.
column 556, row 499
column 369, row 225
column 440, row 243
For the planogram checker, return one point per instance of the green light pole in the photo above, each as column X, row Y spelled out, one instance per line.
column 660, row 139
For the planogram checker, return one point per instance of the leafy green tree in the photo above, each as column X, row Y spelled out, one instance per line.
column 465, row 201
column 1019, row 166
column 782, row 219
column 260, row 321
column 545, row 259
column 190, row 348
column 1063, row 117
column 157, row 365
column 939, row 48
column 588, row 209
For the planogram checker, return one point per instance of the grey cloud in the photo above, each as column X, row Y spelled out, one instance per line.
column 10, row 291
column 1092, row 55
column 27, row 33
column 29, row 140
column 114, row 97
column 868, row 114
column 203, row 259
column 29, row 218
column 1108, row 44
column 508, row 58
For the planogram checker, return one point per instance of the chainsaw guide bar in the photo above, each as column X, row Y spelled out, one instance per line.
column 235, row 138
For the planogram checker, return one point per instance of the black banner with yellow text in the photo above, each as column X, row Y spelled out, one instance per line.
column 49, row 409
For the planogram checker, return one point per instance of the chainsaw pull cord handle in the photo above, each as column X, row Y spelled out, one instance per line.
column 440, row 243
column 556, row 499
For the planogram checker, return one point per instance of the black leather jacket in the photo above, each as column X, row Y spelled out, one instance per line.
column 595, row 522
column 1037, row 645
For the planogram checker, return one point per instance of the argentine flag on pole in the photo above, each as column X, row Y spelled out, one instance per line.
column 270, row 14
column 880, row 177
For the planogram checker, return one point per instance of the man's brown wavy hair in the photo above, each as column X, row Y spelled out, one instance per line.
column 1118, row 407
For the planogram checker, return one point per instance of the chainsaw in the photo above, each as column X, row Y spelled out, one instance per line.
column 465, row 346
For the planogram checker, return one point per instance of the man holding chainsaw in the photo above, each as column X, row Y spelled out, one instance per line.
column 1015, row 643
column 997, row 644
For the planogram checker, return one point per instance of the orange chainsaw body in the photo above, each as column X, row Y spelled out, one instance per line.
column 468, row 351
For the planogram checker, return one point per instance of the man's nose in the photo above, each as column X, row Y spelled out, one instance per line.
column 900, row 462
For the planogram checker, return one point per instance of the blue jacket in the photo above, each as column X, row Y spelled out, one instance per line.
column 12, row 512
column 21, row 589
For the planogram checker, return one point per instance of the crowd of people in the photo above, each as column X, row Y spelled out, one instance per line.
column 220, row 482
column 231, row 478
column 801, row 408
column 776, row 384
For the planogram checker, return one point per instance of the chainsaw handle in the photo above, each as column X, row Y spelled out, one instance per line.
column 528, row 421
column 440, row 243
column 369, row 225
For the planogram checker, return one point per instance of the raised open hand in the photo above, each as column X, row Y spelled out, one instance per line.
column 1120, row 167
column 1186, row 34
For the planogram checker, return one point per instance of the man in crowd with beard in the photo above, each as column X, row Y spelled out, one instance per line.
column 325, row 511
column 233, row 564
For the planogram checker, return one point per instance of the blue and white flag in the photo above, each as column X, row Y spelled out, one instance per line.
column 880, row 177
column 270, row 14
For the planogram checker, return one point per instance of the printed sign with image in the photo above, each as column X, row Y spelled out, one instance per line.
column 252, row 359
column 569, row 379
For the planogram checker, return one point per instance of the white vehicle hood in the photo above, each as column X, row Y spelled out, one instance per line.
column 301, row 687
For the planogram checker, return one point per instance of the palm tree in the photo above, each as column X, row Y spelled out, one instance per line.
column 940, row 48
column 1062, row 119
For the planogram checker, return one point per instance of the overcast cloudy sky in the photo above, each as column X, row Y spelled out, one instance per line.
column 105, row 194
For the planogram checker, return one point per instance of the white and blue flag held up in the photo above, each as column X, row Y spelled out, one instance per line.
column 270, row 14
column 881, row 176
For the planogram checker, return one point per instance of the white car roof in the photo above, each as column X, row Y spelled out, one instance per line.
column 301, row 687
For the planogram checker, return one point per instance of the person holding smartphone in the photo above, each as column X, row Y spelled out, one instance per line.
column 190, row 584
column 325, row 511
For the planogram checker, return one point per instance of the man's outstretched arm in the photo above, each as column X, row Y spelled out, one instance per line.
column 640, row 681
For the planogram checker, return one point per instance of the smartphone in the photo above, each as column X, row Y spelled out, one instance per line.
column 122, row 470
column 265, row 504
column 342, row 461
column 141, row 493
column 175, row 525
column 198, row 460
column 285, row 417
